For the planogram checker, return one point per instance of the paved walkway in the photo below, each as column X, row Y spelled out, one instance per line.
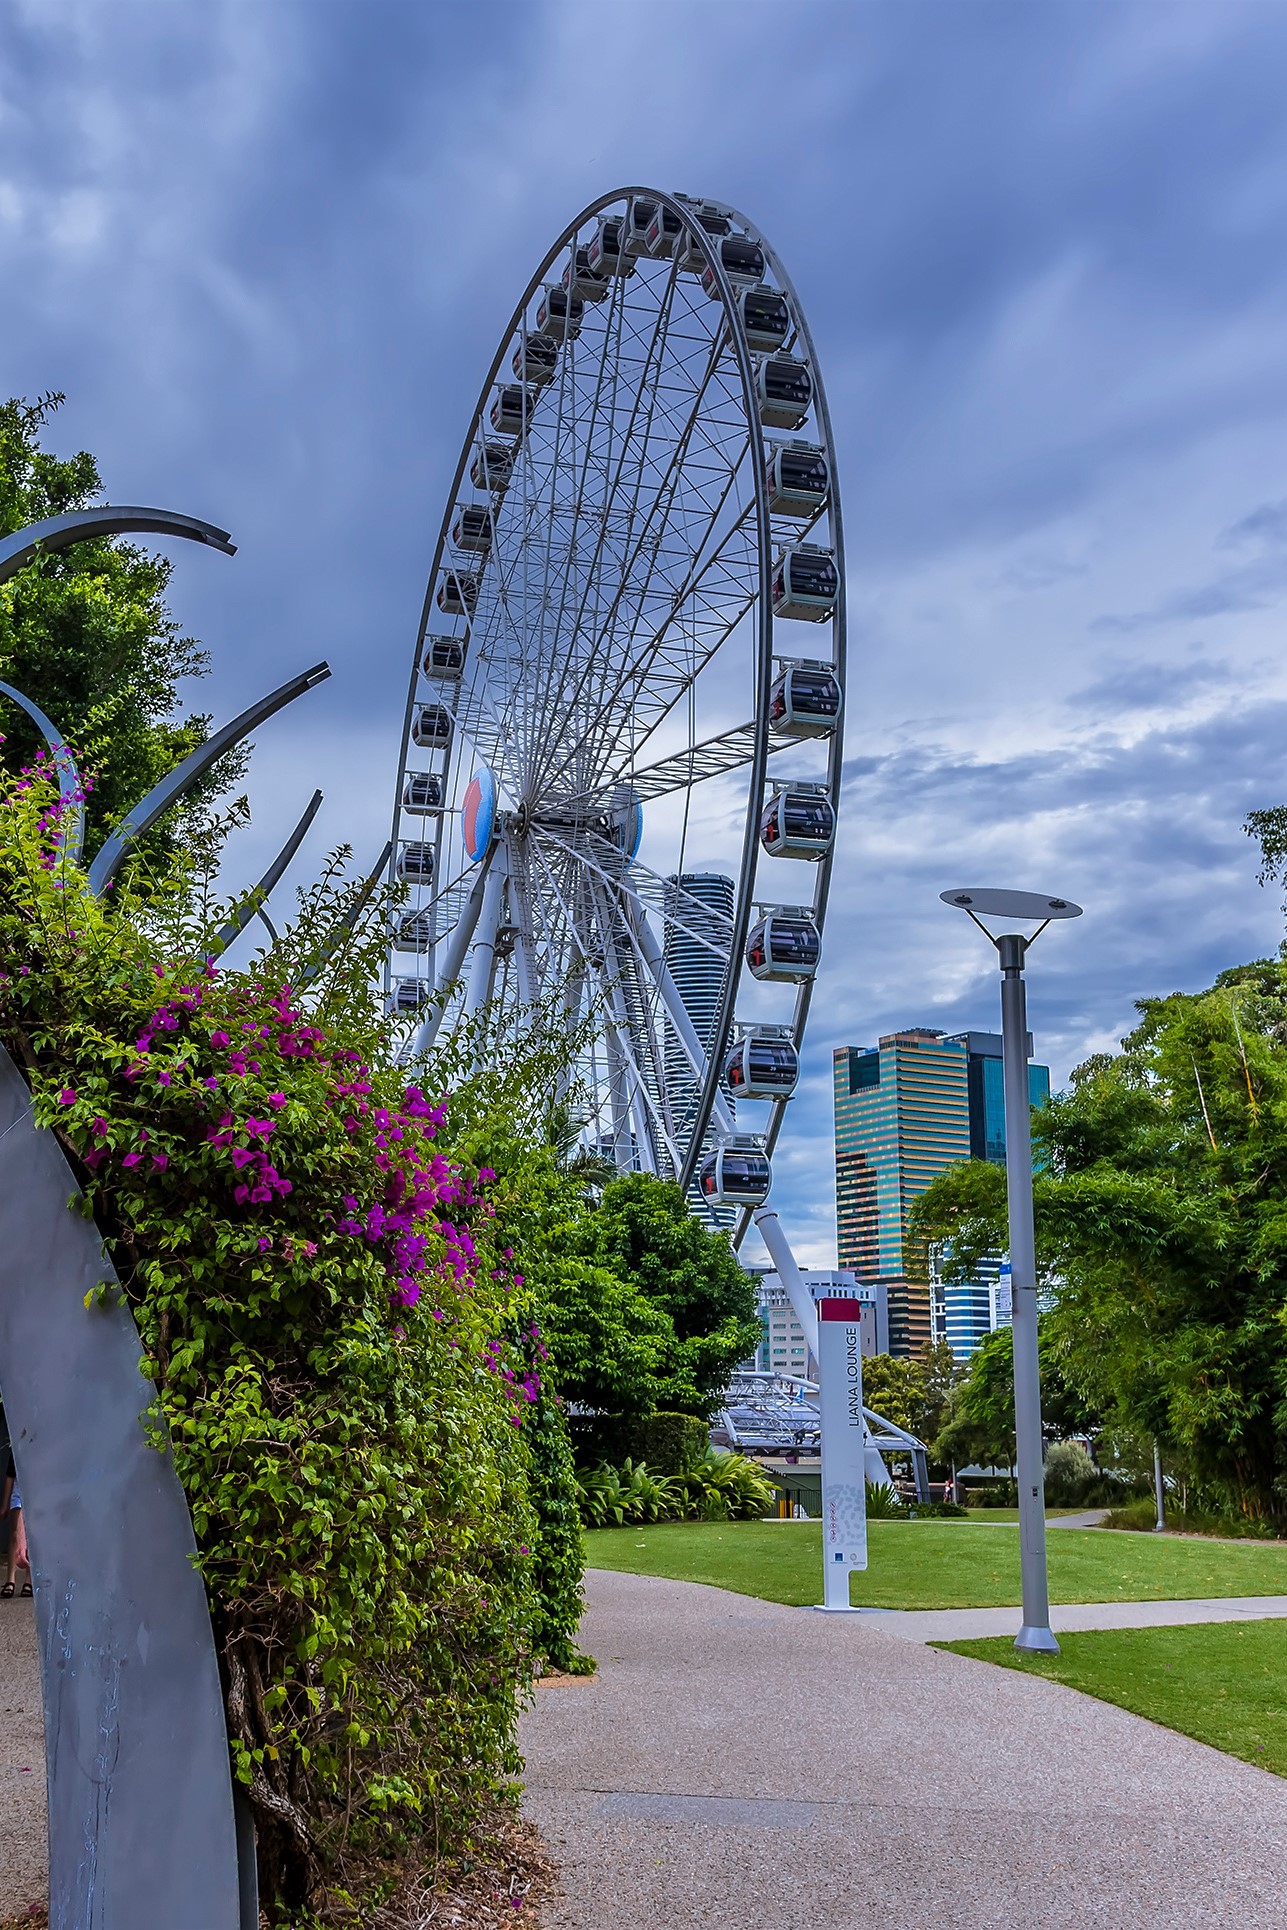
column 736, row 1765
column 22, row 1761
column 959, row 1624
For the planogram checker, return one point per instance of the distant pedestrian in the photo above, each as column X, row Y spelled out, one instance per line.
column 11, row 1506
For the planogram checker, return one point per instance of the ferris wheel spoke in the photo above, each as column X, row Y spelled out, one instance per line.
column 629, row 1088
column 663, row 894
column 681, row 666
column 668, row 997
column 602, row 408
column 630, row 446
column 662, row 489
column 670, row 519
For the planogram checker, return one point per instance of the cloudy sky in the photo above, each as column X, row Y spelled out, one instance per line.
column 266, row 247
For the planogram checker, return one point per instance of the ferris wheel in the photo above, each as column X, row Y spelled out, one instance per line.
column 621, row 754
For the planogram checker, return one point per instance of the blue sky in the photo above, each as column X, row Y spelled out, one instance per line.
column 267, row 248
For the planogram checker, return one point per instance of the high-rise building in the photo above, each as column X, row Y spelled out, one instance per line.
column 906, row 1109
column 964, row 1311
column 783, row 1348
column 699, row 906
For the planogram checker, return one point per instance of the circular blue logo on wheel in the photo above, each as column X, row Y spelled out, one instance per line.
column 478, row 814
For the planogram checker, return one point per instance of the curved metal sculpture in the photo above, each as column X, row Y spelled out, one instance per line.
column 254, row 900
column 22, row 546
column 68, row 775
column 144, row 1828
column 141, row 1828
column 143, row 815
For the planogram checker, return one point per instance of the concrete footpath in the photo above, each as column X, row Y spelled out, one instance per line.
column 961, row 1624
column 736, row 1765
column 22, row 1761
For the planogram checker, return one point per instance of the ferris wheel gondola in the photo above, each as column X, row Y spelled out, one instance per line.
column 588, row 798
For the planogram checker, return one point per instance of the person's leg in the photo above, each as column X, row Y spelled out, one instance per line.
column 20, row 1555
column 11, row 1558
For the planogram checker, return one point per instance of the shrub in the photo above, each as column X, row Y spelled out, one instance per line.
column 671, row 1443
column 883, row 1503
column 332, row 1325
column 1072, row 1479
column 1142, row 1514
column 991, row 1494
column 722, row 1487
column 558, row 1563
column 727, row 1487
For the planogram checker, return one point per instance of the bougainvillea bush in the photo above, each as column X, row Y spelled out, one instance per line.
column 346, row 1366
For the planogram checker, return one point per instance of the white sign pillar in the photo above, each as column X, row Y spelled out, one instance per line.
column 844, row 1497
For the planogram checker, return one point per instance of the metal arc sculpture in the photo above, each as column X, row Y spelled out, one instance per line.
column 634, row 621
column 22, row 546
column 143, row 1826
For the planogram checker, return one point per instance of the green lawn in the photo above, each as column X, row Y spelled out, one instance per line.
column 1223, row 1682
column 940, row 1564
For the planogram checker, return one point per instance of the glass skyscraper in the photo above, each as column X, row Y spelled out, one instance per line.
column 904, row 1110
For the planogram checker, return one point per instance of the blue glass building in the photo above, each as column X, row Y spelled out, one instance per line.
column 965, row 1313
column 905, row 1110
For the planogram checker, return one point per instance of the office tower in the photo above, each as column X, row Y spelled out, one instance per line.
column 703, row 903
column 783, row 1348
column 904, row 1110
column 967, row 1310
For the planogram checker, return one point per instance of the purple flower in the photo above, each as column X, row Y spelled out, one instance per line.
column 161, row 1159
column 277, row 1098
column 132, row 1159
column 67, row 1097
column 264, row 1245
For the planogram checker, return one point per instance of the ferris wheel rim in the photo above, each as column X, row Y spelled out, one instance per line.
column 686, row 214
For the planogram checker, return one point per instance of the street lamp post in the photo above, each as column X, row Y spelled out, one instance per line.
column 1012, row 948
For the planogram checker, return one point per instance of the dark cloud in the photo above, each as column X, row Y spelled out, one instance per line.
column 267, row 252
column 1152, row 686
column 1265, row 526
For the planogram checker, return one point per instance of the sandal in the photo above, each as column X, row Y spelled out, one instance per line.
column 6, row 1593
column 26, row 1591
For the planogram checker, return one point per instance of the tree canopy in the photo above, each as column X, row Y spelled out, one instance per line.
column 87, row 634
column 642, row 1308
column 1161, row 1219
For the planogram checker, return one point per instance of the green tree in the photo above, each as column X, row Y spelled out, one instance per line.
column 644, row 1233
column 1162, row 1230
column 87, row 634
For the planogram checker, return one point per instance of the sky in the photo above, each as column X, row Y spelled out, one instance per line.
column 266, row 247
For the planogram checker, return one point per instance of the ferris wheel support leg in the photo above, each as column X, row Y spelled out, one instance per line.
column 802, row 1305
column 617, row 1087
column 482, row 960
column 451, row 965
column 620, row 1037
column 676, row 1011
column 793, row 1282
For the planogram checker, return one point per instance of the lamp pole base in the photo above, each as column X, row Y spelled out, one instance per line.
column 1037, row 1640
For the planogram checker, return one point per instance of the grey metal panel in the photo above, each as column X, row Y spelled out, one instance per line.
column 68, row 775
column 80, row 525
column 159, row 799
column 141, row 1830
